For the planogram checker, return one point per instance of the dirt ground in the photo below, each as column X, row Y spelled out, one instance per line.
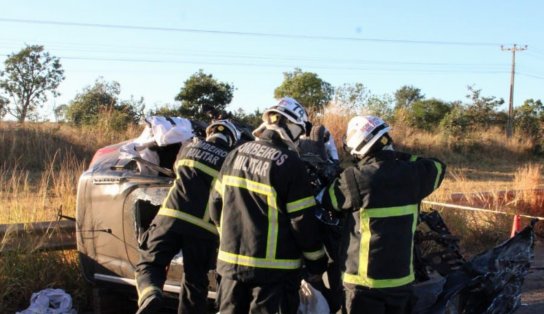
column 532, row 297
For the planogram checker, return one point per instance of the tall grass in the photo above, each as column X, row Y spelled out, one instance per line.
column 40, row 165
column 39, row 169
column 29, row 196
column 25, row 272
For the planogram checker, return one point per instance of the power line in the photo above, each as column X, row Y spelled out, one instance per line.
column 531, row 75
column 275, row 65
column 252, row 34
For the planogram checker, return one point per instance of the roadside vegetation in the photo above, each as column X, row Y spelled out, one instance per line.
column 41, row 161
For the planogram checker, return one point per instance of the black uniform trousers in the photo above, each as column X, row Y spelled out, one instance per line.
column 335, row 293
column 378, row 301
column 236, row 297
column 163, row 242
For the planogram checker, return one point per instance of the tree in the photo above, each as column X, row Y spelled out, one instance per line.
column 89, row 106
column 306, row 87
column 202, row 92
column 482, row 111
column 351, row 97
column 251, row 119
column 406, row 96
column 529, row 118
column 3, row 106
column 426, row 114
column 31, row 74
column 455, row 123
column 379, row 105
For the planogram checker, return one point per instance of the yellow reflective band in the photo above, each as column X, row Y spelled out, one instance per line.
column 300, row 204
column 270, row 193
column 272, row 236
column 219, row 187
column 413, row 158
column 388, row 211
column 198, row 165
column 188, row 218
column 142, row 295
column 378, row 283
column 172, row 188
column 259, row 262
column 334, row 201
column 438, row 173
column 314, row 256
column 253, row 186
column 362, row 277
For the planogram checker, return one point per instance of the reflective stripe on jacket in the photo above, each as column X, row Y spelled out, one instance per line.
column 196, row 167
column 263, row 204
column 383, row 193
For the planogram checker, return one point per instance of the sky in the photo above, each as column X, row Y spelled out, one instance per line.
column 152, row 47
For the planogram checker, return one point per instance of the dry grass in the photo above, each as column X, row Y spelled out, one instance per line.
column 40, row 165
column 39, row 169
column 29, row 196
column 23, row 273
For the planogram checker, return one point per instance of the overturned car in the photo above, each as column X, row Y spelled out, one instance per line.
column 122, row 190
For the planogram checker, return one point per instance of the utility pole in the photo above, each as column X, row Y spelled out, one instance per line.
column 510, row 122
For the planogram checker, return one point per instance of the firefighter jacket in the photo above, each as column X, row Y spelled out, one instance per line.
column 382, row 194
column 197, row 166
column 264, row 207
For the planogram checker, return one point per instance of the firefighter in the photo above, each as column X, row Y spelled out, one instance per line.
column 263, row 205
column 183, row 223
column 380, row 195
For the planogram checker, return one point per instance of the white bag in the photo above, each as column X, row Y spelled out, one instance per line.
column 311, row 300
column 50, row 301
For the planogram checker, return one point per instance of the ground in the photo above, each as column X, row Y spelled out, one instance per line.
column 533, row 288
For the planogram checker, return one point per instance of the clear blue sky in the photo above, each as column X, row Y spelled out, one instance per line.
column 152, row 47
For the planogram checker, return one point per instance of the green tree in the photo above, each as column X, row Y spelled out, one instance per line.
column 406, row 96
column 456, row 122
column 351, row 97
column 482, row 110
column 167, row 110
column 379, row 105
column 307, row 88
column 250, row 119
column 30, row 75
column 89, row 106
column 529, row 118
column 201, row 93
column 426, row 114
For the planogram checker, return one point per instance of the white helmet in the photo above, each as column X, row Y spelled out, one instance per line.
column 295, row 114
column 363, row 132
column 225, row 130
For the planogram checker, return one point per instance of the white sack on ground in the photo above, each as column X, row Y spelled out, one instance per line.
column 50, row 301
